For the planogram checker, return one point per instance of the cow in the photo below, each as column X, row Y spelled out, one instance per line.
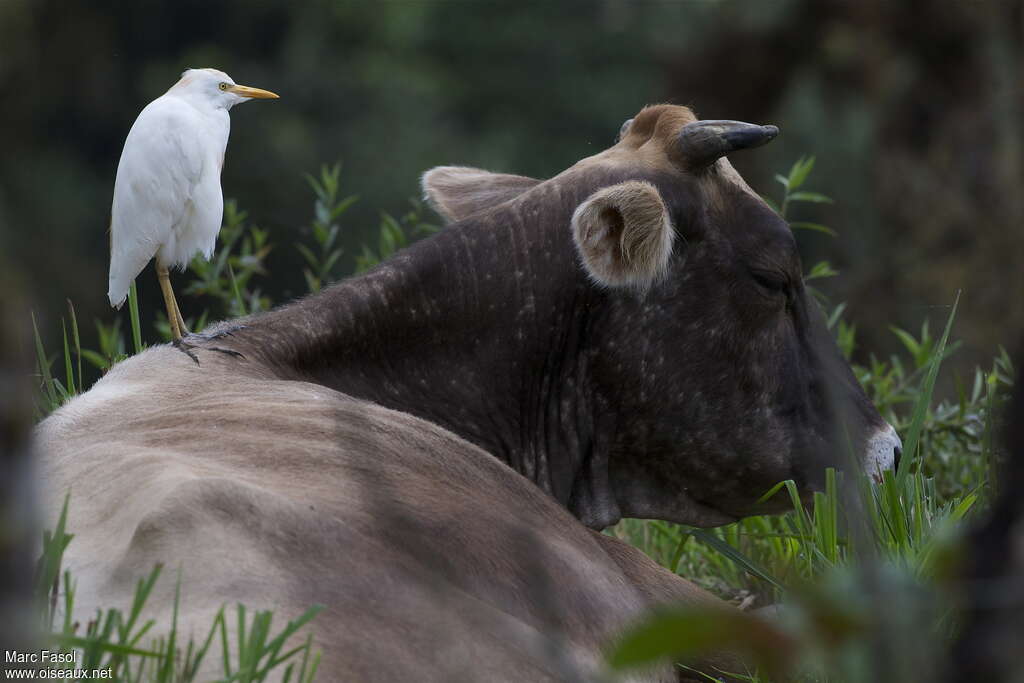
column 431, row 449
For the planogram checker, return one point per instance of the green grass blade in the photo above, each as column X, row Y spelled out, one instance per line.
column 305, row 665
column 69, row 375
column 69, row 603
column 78, row 342
column 49, row 390
column 48, row 565
column 238, row 294
column 736, row 556
column 142, row 590
column 924, row 400
column 225, row 646
column 311, row 674
column 771, row 492
column 167, row 672
column 194, row 661
column 108, row 647
column 677, row 554
column 894, row 508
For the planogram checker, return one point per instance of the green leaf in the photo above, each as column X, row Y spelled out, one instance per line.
column 814, row 197
column 331, row 260
column 318, row 189
column 837, row 313
column 308, row 254
column 312, row 282
column 798, row 174
column 907, row 339
column 817, row 227
column 96, row 359
column 688, row 631
column 344, row 205
column 820, row 270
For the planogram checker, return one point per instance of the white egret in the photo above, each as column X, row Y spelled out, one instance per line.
column 167, row 196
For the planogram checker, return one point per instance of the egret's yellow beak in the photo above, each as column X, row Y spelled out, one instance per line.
column 255, row 93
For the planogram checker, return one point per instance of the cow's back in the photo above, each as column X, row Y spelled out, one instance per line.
column 433, row 559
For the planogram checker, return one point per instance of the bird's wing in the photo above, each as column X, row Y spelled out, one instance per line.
column 197, row 230
column 161, row 164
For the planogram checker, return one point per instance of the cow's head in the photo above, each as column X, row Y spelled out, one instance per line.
column 722, row 373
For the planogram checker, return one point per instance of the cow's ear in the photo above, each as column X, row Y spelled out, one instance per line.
column 624, row 235
column 456, row 192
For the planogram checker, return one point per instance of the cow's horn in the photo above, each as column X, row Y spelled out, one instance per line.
column 702, row 142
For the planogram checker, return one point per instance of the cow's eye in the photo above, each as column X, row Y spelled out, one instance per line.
column 775, row 283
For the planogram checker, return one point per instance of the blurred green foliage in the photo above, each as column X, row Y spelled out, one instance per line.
column 913, row 109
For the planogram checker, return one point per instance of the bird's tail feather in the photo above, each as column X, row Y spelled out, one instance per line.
column 120, row 280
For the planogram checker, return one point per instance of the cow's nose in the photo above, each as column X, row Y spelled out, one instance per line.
column 884, row 450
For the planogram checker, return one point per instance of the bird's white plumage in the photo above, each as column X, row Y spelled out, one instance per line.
column 167, row 197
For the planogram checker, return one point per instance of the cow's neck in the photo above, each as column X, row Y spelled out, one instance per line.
column 483, row 329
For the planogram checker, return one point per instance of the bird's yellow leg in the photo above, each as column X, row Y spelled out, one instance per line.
column 172, row 306
column 177, row 314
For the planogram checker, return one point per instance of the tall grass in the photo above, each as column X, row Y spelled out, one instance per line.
column 123, row 644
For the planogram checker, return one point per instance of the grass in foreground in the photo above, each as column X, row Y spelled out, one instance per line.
column 122, row 643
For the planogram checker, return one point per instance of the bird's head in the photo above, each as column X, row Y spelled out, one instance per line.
column 217, row 88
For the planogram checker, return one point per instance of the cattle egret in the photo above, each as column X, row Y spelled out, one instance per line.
column 167, row 197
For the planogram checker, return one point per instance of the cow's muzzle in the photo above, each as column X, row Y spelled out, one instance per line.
column 883, row 452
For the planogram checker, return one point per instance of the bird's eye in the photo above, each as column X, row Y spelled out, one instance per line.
column 223, row 86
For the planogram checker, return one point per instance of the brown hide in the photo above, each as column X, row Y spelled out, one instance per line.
column 434, row 560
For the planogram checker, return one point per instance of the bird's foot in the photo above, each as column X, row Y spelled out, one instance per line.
column 198, row 340
column 226, row 332
column 185, row 348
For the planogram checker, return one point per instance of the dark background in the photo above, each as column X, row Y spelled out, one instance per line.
column 915, row 111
